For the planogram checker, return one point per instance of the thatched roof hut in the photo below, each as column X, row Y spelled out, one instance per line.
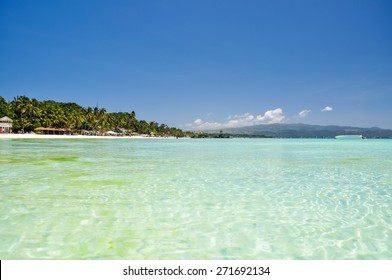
column 5, row 120
column 53, row 131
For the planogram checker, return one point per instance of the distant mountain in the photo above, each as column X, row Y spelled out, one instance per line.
column 300, row 130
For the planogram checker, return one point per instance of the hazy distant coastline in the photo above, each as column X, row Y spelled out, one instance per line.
column 302, row 131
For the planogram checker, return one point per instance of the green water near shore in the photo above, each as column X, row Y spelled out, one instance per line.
column 196, row 199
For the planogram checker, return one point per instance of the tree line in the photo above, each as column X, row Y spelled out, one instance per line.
column 29, row 114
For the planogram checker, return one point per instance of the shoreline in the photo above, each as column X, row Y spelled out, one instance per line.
column 47, row 136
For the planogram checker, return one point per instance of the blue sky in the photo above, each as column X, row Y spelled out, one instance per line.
column 199, row 64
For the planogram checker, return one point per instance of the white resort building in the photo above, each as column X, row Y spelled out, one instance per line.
column 5, row 125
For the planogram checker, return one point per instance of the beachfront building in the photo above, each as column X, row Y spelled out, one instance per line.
column 5, row 125
column 53, row 131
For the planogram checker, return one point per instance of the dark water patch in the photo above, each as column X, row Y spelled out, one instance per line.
column 64, row 159
column 15, row 161
column 37, row 160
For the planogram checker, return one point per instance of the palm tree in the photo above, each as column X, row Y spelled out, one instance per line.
column 102, row 120
column 74, row 113
column 22, row 108
column 4, row 108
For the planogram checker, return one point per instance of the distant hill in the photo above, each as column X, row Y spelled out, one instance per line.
column 305, row 131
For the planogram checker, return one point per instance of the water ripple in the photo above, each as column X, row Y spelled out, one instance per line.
column 190, row 199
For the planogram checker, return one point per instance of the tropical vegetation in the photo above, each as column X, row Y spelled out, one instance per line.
column 29, row 114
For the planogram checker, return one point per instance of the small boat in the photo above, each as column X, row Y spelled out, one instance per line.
column 349, row 136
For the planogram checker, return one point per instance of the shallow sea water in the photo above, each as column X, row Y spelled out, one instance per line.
column 196, row 199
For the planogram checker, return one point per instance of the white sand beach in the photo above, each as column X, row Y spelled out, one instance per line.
column 47, row 136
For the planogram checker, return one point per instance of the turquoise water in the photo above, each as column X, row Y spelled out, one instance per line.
column 196, row 199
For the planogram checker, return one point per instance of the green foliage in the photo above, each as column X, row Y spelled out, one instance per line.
column 28, row 114
column 4, row 108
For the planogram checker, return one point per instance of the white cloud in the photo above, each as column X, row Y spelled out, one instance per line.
column 198, row 122
column 303, row 113
column 200, row 125
column 327, row 109
column 272, row 116
column 247, row 119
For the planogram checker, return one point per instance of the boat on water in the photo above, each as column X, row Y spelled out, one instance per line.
column 347, row 136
